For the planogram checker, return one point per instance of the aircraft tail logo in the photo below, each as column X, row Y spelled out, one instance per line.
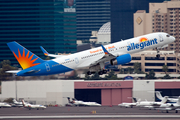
column 25, row 58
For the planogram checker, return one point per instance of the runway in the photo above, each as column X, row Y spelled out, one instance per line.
column 90, row 113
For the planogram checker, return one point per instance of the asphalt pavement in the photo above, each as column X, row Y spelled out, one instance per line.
column 90, row 113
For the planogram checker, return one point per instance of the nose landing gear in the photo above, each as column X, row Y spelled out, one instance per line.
column 158, row 54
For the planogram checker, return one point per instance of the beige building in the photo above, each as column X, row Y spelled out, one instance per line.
column 149, row 62
column 162, row 17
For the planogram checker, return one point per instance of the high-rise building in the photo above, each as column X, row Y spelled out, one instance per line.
column 34, row 23
column 162, row 17
column 91, row 15
column 122, row 17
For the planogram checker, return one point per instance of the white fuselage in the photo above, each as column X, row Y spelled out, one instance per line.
column 86, row 58
column 127, row 104
column 95, row 58
column 2, row 104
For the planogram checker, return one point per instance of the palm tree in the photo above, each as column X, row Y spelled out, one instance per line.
column 137, row 67
column 129, row 69
column 165, row 68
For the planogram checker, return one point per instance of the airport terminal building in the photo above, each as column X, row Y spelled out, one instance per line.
column 107, row 93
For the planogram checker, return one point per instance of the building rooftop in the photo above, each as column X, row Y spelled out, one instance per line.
column 141, row 11
column 105, row 29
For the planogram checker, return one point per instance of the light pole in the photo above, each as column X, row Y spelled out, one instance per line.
column 15, row 85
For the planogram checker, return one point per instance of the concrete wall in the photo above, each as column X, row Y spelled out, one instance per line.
column 113, row 92
column 102, row 38
column 43, row 92
column 144, row 89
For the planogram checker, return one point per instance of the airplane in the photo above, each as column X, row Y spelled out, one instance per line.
column 30, row 106
column 75, row 102
column 129, row 105
column 170, row 106
column 172, row 100
column 4, row 105
column 16, row 103
column 150, row 104
column 117, row 53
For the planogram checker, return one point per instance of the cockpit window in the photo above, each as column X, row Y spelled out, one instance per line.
column 167, row 35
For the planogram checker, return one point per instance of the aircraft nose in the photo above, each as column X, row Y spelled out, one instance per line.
column 173, row 38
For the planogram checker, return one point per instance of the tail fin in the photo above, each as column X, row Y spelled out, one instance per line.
column 159, row 96
column 135, row 100
column 69, row 99
column 164, row 100
column 23, row 103
column 14, row 100
column 25, row 57
column 178, row 102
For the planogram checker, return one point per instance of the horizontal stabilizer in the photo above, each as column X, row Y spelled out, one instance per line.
column 13, row 71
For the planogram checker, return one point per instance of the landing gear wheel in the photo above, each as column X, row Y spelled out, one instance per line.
column 100, row 72
column 158, row 55
column 104, row 71
column 93, row 72
column 89, row 73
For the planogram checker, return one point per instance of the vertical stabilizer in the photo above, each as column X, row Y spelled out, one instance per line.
column 135, row 100
column 158, row 95
column 178, row 102
column 23, row 103
column 69, row 99
column 25, row 57
column 164, row 100
column 14, row 101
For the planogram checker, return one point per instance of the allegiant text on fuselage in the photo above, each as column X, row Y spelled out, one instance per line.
column 141, row 45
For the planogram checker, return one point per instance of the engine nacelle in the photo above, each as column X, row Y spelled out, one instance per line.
column 126, row 58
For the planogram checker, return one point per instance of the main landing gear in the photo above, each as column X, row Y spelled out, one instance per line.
column 100, row 72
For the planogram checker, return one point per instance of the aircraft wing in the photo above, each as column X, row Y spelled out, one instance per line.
column 108, row 56
column 50, row 55
column 168, row 108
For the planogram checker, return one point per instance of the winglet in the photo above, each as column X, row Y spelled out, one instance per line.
column 44, row 51
column 104, row 49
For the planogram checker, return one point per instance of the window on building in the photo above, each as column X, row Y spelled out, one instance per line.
column 171, row 58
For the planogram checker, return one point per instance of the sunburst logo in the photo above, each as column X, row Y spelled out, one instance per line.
column 143, row 39
column 25, row 61
column 46, row 54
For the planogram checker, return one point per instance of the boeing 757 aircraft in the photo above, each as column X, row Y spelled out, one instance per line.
column 117, row 53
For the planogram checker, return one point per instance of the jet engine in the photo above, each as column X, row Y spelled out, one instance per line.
column 126, row 58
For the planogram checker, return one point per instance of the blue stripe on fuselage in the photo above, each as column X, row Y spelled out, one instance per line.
column 46, row 68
